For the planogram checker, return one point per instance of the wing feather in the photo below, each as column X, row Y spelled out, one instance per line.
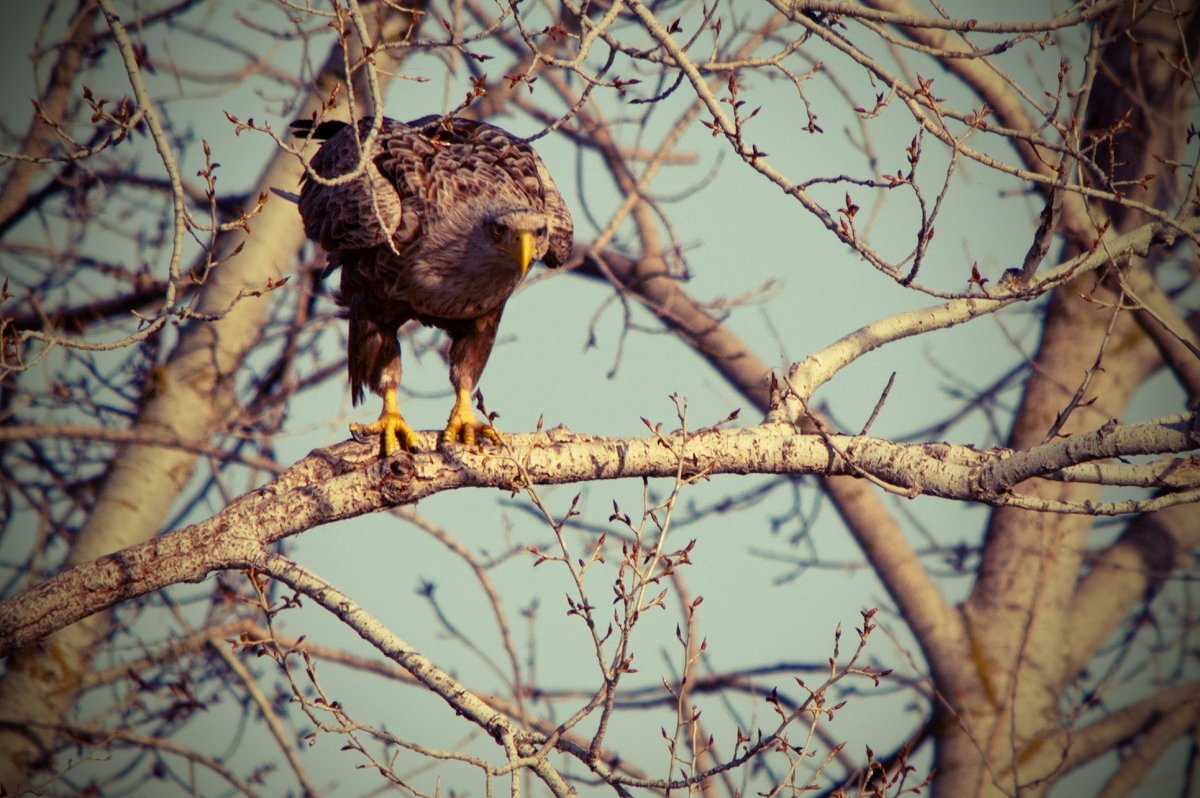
column 357, row 214
column 417, row 169
column 563, row 233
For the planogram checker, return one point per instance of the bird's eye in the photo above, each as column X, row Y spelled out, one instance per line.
column 539, row 232
column 497, row 231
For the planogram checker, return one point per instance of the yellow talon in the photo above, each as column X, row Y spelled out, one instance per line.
column 390, row 426
column 463, row 427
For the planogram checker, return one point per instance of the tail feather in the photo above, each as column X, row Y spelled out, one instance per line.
column 373, row 349
column 307, row 129
column 372, row 357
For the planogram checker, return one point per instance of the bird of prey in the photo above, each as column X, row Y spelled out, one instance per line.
column 441, row 226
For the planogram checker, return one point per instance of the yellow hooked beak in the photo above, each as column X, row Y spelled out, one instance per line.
column 521, row 248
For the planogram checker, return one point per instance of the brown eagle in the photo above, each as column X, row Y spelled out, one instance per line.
column 440, row 227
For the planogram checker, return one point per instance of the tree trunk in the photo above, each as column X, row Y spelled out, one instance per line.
column 192, row 400
column 1000, row 736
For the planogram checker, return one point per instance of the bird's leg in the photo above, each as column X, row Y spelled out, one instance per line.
column 391, row 427
column 470, row 344
column 464, row 426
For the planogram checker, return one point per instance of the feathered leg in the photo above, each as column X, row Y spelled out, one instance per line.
column 373, row 359
column 470, row 344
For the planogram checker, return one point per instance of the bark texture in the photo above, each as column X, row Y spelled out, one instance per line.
column 999, row 736
column 193, row 399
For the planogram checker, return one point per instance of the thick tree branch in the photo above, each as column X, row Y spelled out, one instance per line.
column 194, row 398
column 935, row 624
column 1082, row 377
column 1101, row 736
column 1176, row 340
column 1089, row 112
column 51, row 110
column 1131, row 570
column 1151, row 747
column 1180, row 434
column 346, row 481
column 820, row 367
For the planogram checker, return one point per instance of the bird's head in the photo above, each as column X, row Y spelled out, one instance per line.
column 522, row 235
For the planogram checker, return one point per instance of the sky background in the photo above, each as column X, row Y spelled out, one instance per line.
column 742, row 238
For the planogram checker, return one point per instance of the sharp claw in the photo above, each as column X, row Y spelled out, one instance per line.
column 393, row 432
column 387, row 442
column 463, row 427
column 468, row 431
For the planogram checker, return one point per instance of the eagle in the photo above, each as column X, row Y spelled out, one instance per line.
column 440, row 226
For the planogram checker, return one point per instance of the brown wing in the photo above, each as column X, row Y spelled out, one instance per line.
column 416, row 170
column 563, row 233
column 356, row 214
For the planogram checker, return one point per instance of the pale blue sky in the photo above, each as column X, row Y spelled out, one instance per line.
column 740, row 234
